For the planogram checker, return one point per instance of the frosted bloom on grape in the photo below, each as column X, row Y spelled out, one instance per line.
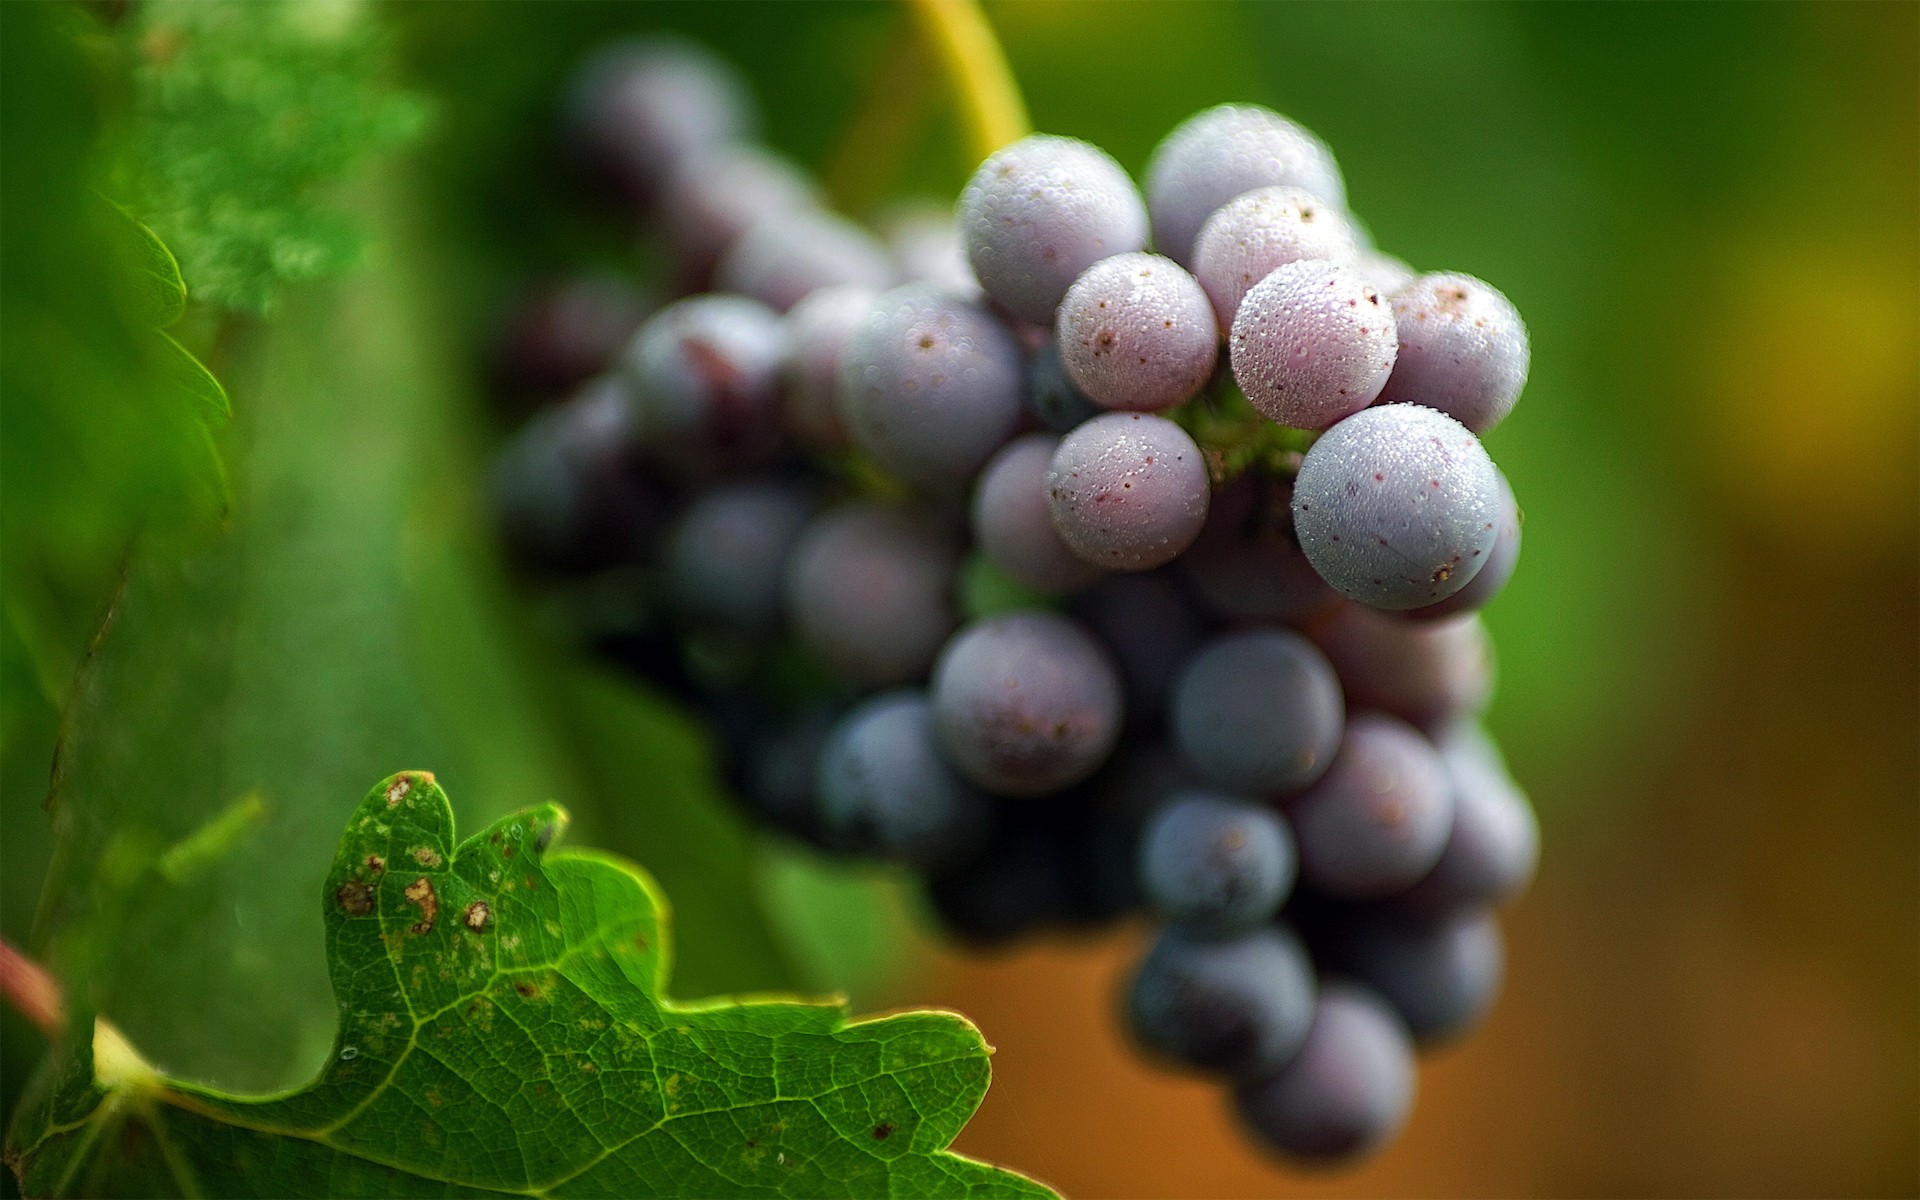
column 1312, row 343
column 1128, row 491
column 1039, row 212
column 782, row 259
column 716, row 195
column 1258, row 712
column 1224, row 152
column 726, row 558
column 1012, row 525
column 639, row 108
column 704, row 373
column 1397, row 507
column 1463, row 350
column 925, row 242
column 1269, row 227
column 1495, row 844
column 1236, row 1006
column 1379, row 818
column 818, row 330
column 1136, row 332
column 1488, row 581
column 1431, row 673
column 884, row 790
column 1026, row 703
column 930, row 386
column 1346, row 1092
column 869, row 591
column 1056, row 401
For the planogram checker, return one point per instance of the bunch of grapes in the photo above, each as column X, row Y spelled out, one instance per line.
column 1086, row 553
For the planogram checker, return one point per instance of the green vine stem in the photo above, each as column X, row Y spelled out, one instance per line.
column 984, row 90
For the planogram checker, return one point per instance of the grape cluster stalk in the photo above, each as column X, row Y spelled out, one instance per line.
column 1093, row 549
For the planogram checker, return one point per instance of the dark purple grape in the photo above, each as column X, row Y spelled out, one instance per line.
column 1011, row 521
column 1440, row 974
column 704, row 376
column 1463, row 350
column 714, row 196
column 639, row 108
column 1492, row 577
column 1026, row 703
column 930, row 386
column 1346, row 1093
column 1246, row 564
column 818, row 330
column 568, row 490
column 869, row 591
column 1039, row 212
column 1216, row 863
column 885, row 791
column 1495, row 842
column 1150, row 627
column 1128, row 491
column 1224, row 152
column 1397, row 507
column 1377, row 821
column 1136, row 332
column 1055, row 399
column 1238, row 1006
column 1432, row 673
column 727, row 555
column 781, row 260
column 569, row 331
column 770, row 759
column 1258, row 712
column 1251, row 235
column 1312, row 343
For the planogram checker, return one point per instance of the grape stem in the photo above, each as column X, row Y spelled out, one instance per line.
column 30, row 991
column 984, row 90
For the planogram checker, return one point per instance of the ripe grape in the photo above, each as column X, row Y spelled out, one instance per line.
column 1347, row 1091
column 930, row 386
column 1488, row 581
column 1397, row 507
column 568, row 491
column 869, row 591
column 726, row 559
column 1055, row 399
column 1012, row 884
column 1148, row 625
column 1038, row 213
column 1011, row 523
column 640, row 107
column 1463, row 350
column 1136, row 332
column 1379, row 818
column 704, row 373
column 1247, row 238
column 1246, row 565
column 885, row 791
column 1495, row 842
column 1128, row 491
column 714, row 196
column 1431, row 673
column 1216, row 863
column 1312, row 343
column 818, row 330
column 782, row 259
column 1258, row 712
column 1441, row 975
column 1238, row 1006
column 1026, row 703
column 926, row 243
column 570, row 331
column 1224, row 152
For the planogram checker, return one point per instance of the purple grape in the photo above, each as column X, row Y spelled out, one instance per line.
column 1054, row 398
column 885, row 791
column 716, row 195
column 930, row 386
column 568, row 491
column 1128, row 491
column 1492, row 577
column 1136, row 332
column 1397, row 507
column 1440, row 975
column 639, row 108
column 1147, row 623
column 704, row 373
column 926, row 243
column 1012, row 885
column 569, row 331
column 780, row 260
column 818, row 330
column 1224, row 152
column 1258, row 712
column 1038, row 213
column 1011, row 522
column 726, row 557
column 1239, row 1006
column 1247, row 238
column 1026, row 703
column 1431, row 673
column 1347, row 1091
column 1463, row 350
column 869, row 590
column 1216, row 863
column 1377, row 821
column 1312, row 343
column 1246, row 564
column 1495, row 842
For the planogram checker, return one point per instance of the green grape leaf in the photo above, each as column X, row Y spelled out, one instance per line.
column 189, row 379
column 504, row 1029
column 156, row 291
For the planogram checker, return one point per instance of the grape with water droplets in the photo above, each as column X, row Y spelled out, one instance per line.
column 1128, row 491
column 1012, row 524
column 1463, row 350
column 1136, row 332
column 1224, row 152
column 1312, row 343
column 1256, row 233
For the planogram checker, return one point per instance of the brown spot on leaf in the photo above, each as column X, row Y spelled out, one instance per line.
column 355, row 897
column 526, row 990
column 427, row 857
column 420, row 894
column 883, row 1131
column 477, row 915
column 397, row 790
column 376, row 864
